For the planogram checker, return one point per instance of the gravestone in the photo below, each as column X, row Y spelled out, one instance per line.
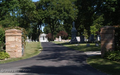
column 73, row 31
column 27, row 40
column 78, row 38
column 82, row 40
column 85, row 39
column 60, row 38
column 98, row 37
column 14, row 43
column 56, row 39
column 92, row 38
column 107, row 39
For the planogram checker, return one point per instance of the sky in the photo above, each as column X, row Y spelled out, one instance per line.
column 42, row 26
column 35, row 0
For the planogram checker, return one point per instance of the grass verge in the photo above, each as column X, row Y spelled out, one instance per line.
column 80, row 46
column 31, row 50
column 104, row 65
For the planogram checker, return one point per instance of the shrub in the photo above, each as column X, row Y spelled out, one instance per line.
column 4, row 55
column 2, row 37
column 113, row 55
column 69, row 38
column 49, row 36
column 63, row 34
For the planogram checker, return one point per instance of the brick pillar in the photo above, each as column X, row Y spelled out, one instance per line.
column 107, row 39
column 14, row 43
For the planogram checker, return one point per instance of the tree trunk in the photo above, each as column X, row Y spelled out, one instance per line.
column 52, row 31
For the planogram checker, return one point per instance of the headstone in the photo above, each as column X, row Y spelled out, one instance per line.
column 60, row 38
column 56, row 39
column 98, row 37
column 13, row 42
column 27, row 40
column 107, row 39
column 82, row 39
column 96, row 44
column 85, row 39
column 88, row 45
column 73, row 31
column 78, row 38
column 92, row 38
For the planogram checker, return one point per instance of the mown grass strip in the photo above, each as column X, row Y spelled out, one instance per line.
column 80, row 46
column 107, row 66
column 32, row 49
column 104, row 65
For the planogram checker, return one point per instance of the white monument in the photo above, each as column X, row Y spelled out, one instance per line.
column 27, row 40
column 98, row 37
column 43, row 38
column 60, row 38
column 78, row 38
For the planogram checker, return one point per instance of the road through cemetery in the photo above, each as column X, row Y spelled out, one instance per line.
column 53, row 60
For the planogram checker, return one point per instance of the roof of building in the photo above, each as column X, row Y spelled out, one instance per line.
column 43, row 34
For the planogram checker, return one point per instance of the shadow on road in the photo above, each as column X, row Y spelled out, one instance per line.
column 61, row 70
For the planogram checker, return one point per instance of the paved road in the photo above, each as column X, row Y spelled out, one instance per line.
column 53, row 60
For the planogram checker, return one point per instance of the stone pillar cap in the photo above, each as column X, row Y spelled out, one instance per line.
column 13, row 30
column 108, row 27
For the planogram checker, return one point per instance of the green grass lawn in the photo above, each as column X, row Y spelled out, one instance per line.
column 31, row 50
column 80, row 46
column 104, row 65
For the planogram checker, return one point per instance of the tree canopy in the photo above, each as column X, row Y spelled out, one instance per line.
column 56, row 11
column 57, row 14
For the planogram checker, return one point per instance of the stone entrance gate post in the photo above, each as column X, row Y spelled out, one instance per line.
column 107, row 39
column 13, row 38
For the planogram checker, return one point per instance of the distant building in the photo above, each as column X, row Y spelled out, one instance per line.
column 43, row 38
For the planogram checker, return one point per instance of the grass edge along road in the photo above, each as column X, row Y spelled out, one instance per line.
column 104, row 65
column 80, row 46
column 31, row 49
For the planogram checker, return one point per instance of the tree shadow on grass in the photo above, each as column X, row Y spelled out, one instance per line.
column 85, row 48
column 105, row 65
column 80, row 47
column 64, row 43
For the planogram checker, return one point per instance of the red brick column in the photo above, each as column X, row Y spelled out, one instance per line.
column 107, row 39
column 14, row 42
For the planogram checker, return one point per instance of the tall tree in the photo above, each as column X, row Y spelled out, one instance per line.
column 57, row 29
column 56, row 10
column 111, row 12
column 9, row 9
column 88, row 9
column 27, row 7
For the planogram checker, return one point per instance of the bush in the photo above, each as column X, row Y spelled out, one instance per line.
column 49, row 36
column 2, row 37
column 113, row 55
column 63, row 34
column 69, row 38
column 4, row 55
